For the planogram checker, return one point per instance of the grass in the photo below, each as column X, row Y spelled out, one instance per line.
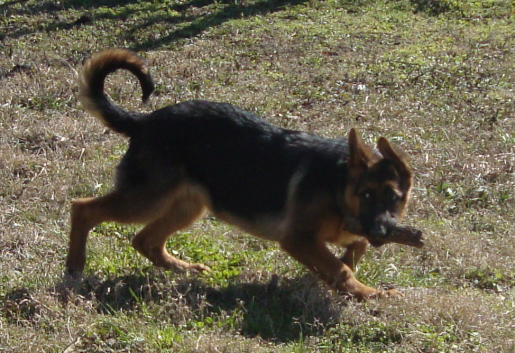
column 435, row 76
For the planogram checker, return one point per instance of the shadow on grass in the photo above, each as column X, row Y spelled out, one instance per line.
column 199, row 24
column 280, row 310
column 435, row 7
column 190, row 21
column 181, row 21
column 276, row 311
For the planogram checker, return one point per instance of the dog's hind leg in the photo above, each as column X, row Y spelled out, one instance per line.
column 118, row 206
column 151, row 240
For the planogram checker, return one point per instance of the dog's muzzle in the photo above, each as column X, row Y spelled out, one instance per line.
column 380, row 228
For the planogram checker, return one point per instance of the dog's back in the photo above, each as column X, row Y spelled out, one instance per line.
column 245, row 164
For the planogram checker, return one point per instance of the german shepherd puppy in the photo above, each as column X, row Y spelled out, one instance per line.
column 288, row 186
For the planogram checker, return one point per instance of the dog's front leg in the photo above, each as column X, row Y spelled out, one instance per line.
column 315, row 255
column 354, row 252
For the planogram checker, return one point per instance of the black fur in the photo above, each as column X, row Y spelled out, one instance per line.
column 235, row 155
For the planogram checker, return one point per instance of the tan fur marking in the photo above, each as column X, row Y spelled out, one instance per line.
column 163, row 216
column 351, row 201
column 331, row 231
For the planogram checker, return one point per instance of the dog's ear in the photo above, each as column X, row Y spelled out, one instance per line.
column 360, row 155
column 397, row 157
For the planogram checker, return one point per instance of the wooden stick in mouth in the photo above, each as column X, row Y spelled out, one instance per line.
column 405, row 235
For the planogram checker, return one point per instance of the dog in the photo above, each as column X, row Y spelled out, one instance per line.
column 287, row 186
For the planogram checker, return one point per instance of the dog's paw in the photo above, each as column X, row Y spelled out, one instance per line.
column 74, row 271
column 392, row 293
column 198, row 268
column 377, row 294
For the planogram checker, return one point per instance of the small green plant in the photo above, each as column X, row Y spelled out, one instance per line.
column 487, row 279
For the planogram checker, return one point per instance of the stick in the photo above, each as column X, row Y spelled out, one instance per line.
column 397, row 234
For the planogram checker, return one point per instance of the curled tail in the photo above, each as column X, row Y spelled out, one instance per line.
column 91, row 87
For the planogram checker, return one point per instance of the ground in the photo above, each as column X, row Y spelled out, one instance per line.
column 434, row 76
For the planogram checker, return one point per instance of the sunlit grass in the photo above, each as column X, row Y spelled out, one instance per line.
column 434, row 76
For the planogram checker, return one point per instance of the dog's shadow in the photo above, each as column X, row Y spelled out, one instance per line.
column 278, row 310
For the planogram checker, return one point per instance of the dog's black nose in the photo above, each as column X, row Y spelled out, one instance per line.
column 382, row 225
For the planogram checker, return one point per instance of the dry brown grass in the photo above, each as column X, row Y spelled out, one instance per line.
column 436, row 77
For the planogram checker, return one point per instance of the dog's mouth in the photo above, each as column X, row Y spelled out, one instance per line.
column 375, row 242
column 379, row 230
column 377, row 235
column 356, row 226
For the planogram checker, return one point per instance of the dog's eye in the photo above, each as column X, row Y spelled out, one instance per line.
column 367, row 195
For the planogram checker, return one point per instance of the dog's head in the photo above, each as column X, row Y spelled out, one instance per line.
column 379, row 186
